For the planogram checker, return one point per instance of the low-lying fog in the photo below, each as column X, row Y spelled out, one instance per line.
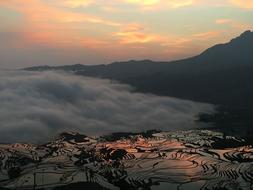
column 35, row 106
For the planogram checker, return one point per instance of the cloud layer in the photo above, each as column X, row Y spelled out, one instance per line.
column 37, row 106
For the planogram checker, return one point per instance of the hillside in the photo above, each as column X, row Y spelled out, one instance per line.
column 220, row 75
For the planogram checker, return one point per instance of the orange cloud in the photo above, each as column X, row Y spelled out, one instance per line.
column 78, row 3
column 38, row 11
column 118, row 5
column 177, row 42
column 144, row 2
column 246, row 4
column 177, row 4
column 57, row 23
column 154, row 4
column 135, row 37
column 134, row 33
column 95, row 43
column 234, row 24
column 49, row 25
column 206, row 35
column 222, row 21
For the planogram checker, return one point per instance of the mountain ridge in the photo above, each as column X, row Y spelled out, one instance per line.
column 219, row 75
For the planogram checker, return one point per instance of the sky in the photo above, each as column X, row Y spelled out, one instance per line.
column 59, row 32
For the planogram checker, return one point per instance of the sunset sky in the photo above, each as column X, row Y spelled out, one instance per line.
column 55, row 32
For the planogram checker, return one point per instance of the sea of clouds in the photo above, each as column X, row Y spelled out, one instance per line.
column 35, row 106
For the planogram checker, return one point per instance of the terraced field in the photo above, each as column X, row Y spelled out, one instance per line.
column 197, row 159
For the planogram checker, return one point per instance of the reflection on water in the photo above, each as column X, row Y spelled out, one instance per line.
column 198, row 159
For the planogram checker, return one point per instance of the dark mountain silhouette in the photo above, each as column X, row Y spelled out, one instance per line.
column 221, row 75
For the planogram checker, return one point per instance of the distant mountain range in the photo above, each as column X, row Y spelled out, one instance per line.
column 220, row 75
